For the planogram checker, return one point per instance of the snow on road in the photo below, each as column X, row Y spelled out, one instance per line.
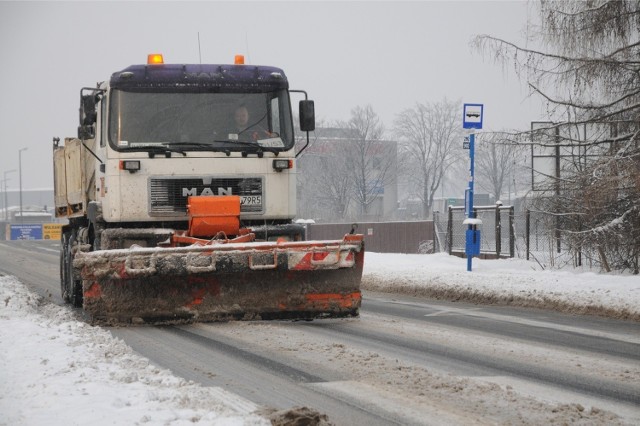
column 56, row 370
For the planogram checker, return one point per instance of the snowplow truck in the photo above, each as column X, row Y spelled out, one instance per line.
column 180, row 195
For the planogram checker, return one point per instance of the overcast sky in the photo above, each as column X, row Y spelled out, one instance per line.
column 387, row 54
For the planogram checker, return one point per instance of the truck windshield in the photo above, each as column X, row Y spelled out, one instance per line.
column 200, row 120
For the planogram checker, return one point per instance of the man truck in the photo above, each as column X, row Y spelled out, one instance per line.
column 175, row 214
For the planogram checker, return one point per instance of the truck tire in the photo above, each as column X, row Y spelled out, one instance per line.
column 64, row 285
column 74, row 284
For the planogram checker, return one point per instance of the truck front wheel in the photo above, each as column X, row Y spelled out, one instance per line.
column 71, row 285
column 64, row 286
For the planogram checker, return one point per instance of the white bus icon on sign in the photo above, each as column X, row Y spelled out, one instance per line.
column 472, row 117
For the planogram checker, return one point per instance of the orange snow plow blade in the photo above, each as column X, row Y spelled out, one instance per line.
column 218, row 282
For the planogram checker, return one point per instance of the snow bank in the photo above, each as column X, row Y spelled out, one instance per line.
column 508, row 281
column 56, row 370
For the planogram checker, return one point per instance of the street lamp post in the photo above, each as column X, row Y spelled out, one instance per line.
column 6, row 200
column 20, row 179
column 4, row 203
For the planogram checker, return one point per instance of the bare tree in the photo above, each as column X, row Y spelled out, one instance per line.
column 324, row 184
column 429, row 134
column 588, row 71
column 496, row 163
column 337, row 190
column 324, row 189
column 371, row 157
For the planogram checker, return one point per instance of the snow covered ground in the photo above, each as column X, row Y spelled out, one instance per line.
column 510, row 281
column 49, row 361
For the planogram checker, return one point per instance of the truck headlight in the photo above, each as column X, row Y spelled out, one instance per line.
column 282, row 164
column 131, row 165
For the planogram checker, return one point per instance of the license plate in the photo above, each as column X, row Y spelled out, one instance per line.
column 251, row 200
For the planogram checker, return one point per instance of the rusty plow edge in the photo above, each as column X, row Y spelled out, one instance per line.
column 252, row 281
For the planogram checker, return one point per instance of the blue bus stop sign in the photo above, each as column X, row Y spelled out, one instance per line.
column 472, row 116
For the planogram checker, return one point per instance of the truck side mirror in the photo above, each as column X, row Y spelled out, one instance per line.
column 307, row 116
column 88, row 113
column 86, row 132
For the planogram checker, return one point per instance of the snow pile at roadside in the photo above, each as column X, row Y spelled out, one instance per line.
column 56, row 370
column 507, row 281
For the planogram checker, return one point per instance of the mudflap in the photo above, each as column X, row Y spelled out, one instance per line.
column 251, row 281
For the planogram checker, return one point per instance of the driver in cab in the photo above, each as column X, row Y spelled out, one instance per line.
column 245, row 130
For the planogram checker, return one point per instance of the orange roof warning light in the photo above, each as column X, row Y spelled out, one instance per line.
column 239, row 60
column 155, row 58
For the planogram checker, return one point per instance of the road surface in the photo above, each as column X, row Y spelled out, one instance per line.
column 404, row 361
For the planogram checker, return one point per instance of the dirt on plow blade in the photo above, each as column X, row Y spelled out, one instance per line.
column 295, row 280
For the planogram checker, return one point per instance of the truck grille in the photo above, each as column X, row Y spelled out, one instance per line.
column 169, row 196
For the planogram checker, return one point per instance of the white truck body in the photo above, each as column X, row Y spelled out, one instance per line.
column 127, row 197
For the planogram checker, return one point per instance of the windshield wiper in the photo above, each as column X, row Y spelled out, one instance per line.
column 179, row 147
column 154, row 149
column 255, row 147
column 205, row 146
column 185, row 146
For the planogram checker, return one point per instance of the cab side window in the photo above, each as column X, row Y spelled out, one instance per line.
column 275, row 116
column 103, row 122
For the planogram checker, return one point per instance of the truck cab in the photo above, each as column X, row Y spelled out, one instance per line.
column 155, row 134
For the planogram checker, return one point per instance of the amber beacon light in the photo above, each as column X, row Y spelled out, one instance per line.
column 155, row 58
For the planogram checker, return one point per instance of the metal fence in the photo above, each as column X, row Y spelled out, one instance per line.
column 497, row 236
column 530, row 235
column 543, row 242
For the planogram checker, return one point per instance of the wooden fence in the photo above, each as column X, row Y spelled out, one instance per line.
column 382, row 237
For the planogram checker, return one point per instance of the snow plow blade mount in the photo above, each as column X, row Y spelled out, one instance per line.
column 220, row 282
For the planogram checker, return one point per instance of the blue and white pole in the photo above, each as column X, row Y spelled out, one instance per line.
column 472, row 247
column 472, row 153
column 471, row 216
column 472, row 119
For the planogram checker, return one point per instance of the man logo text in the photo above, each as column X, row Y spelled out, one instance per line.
column 186, row 192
